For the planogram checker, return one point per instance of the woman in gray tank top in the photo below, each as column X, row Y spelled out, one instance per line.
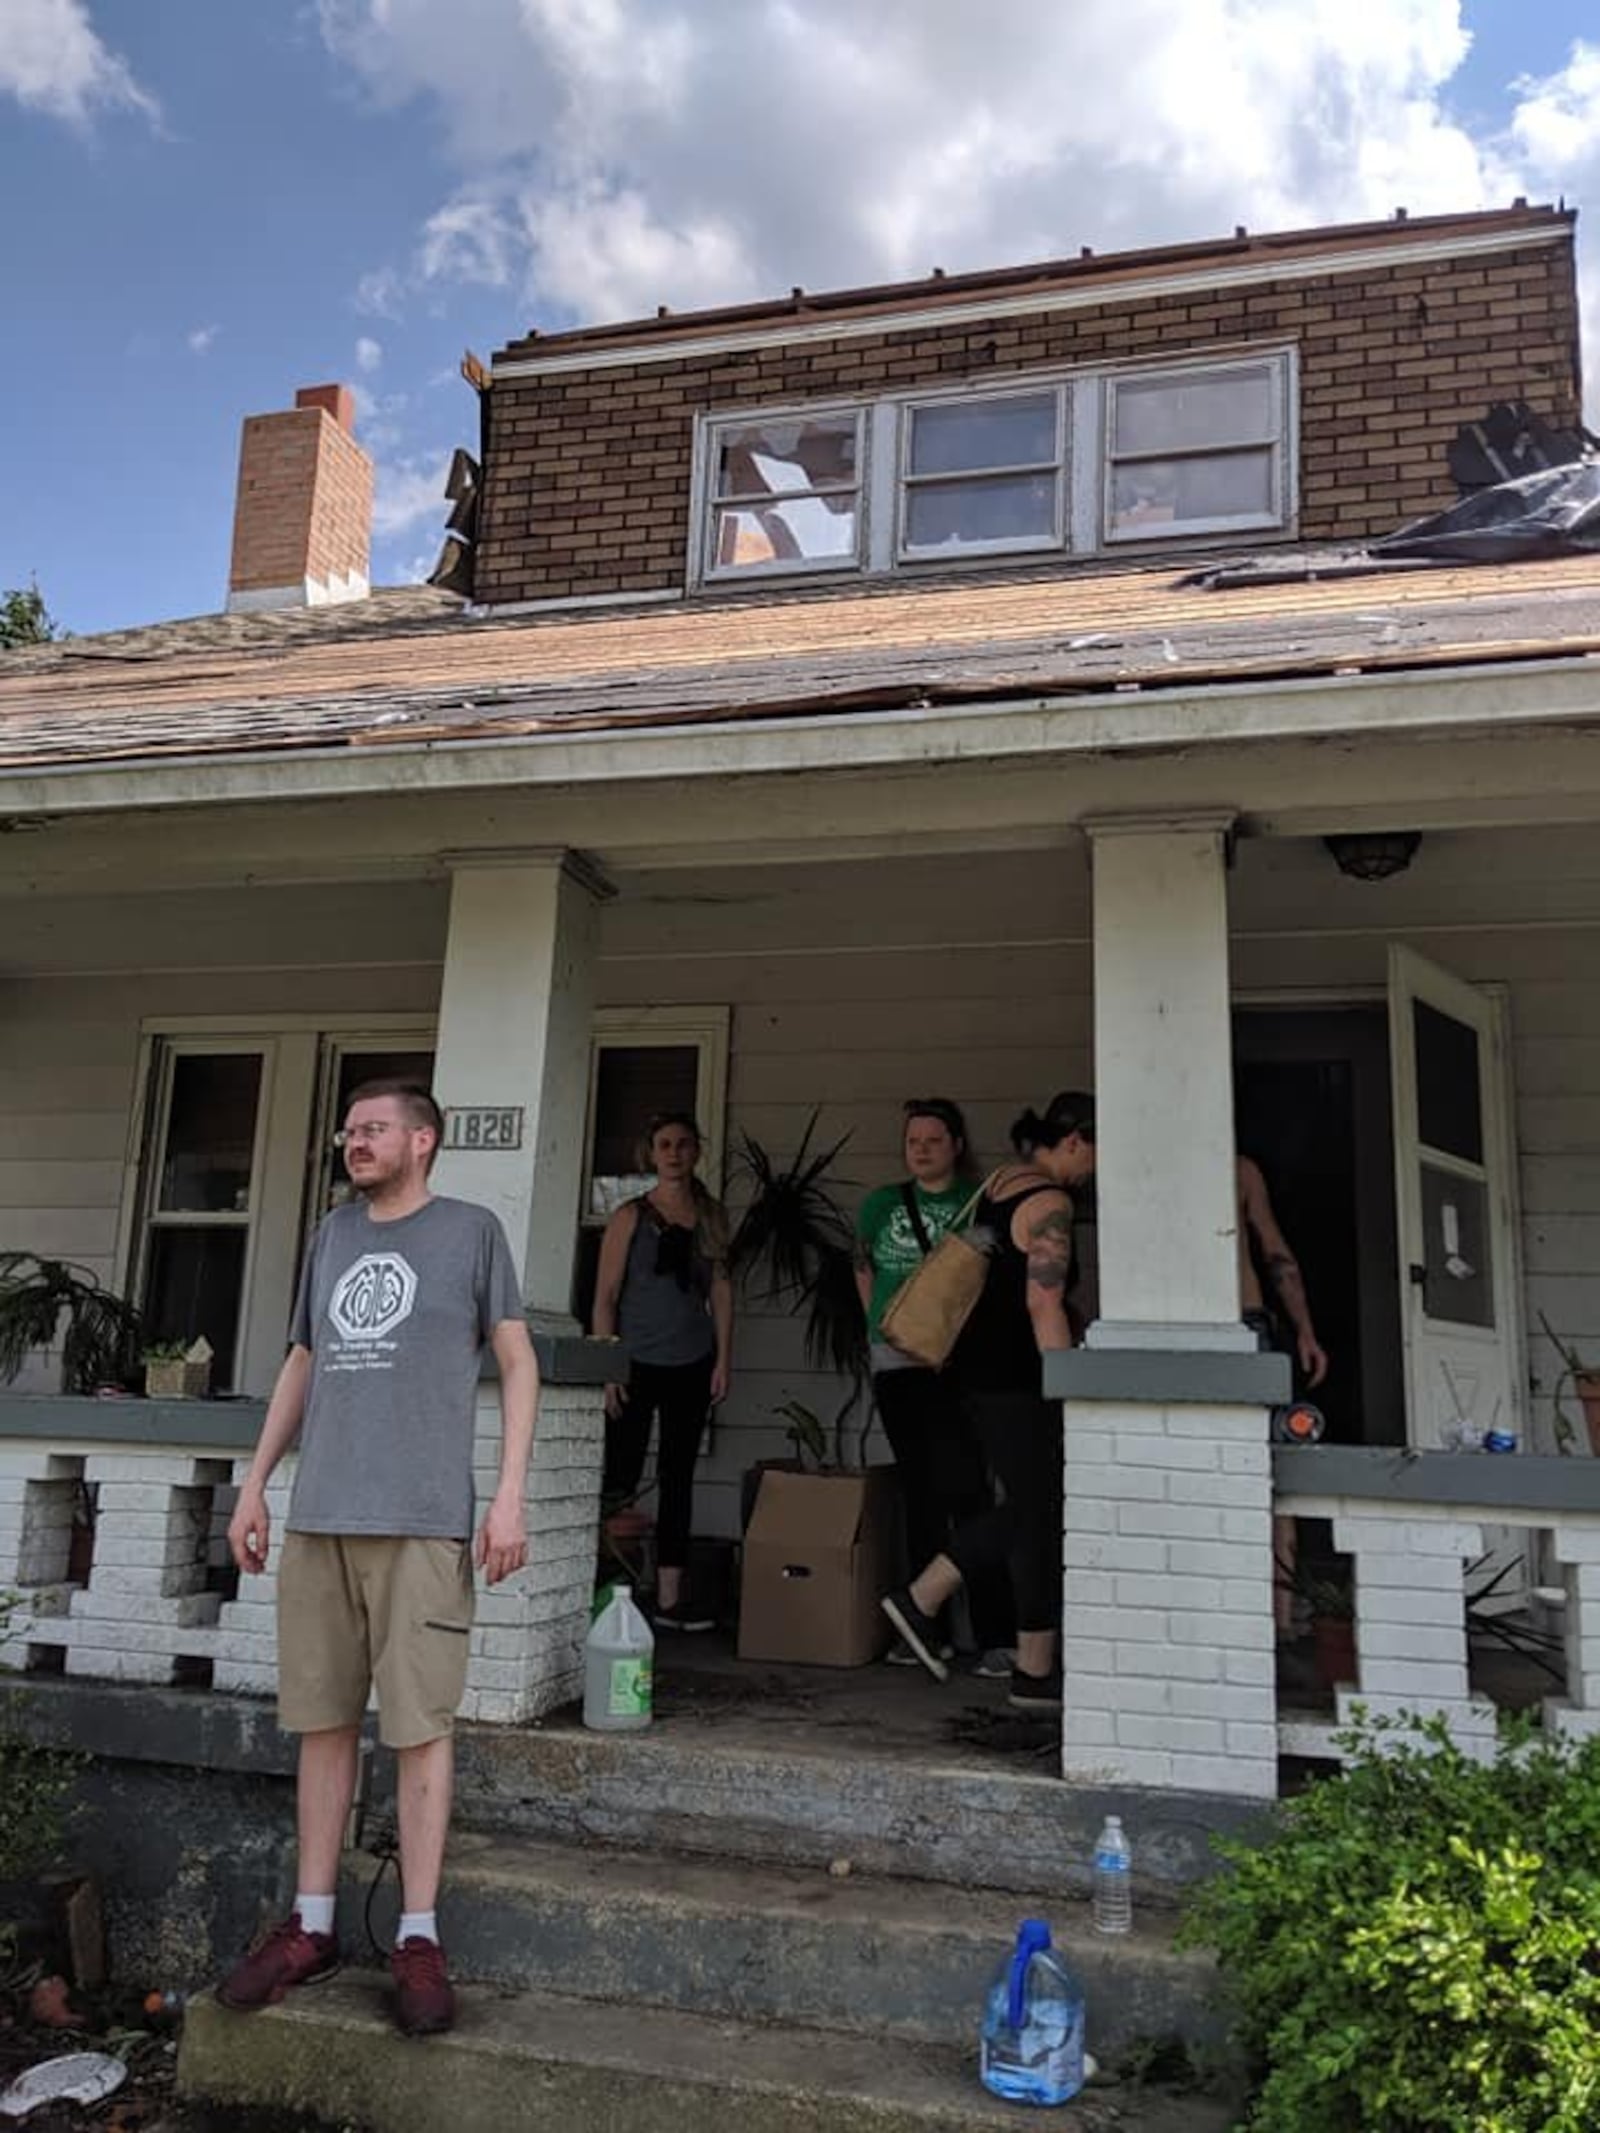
column 663, row 1286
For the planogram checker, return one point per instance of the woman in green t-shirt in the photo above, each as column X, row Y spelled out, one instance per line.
column 942, row 1473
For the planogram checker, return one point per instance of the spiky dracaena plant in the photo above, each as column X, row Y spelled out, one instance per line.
column 101, row 1336
column 795, row 1245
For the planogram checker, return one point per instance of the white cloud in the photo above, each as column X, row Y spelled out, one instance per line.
column 369, row 353
column 1556, row 131
column 52, row 60
column 201, row 339
column 618, row 154
column 408, row 493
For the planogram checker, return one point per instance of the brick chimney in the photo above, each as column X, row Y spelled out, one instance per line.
column 302, row 519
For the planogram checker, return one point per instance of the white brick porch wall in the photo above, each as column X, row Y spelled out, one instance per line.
column 1168, row 1642
column 146, row 1615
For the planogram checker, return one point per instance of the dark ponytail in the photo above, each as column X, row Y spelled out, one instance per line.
column 1072, row 1111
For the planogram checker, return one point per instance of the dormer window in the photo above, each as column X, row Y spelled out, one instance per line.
column 1072, row 464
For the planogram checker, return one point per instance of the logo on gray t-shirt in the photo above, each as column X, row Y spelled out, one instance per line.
column 370, row 1299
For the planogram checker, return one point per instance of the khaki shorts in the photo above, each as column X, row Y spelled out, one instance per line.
column 364, row 1611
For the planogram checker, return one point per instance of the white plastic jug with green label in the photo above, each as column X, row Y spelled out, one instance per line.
column 619, row 1667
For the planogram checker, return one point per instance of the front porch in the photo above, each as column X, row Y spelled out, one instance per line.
column 990, row 938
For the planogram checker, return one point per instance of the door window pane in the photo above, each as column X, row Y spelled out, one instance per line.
column 1458, row 1285
column 211, row 1133
column 1449, row 1088
column 984, row 433
column 633, row 1083
column 194, row 1286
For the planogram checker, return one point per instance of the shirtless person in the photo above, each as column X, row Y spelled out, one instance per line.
column 1259, row 1234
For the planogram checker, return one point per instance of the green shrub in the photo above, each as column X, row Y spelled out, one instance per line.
column 34, row 1784
column 1416, row 1943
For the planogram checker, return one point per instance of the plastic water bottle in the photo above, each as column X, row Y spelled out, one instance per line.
column 1031, row 2049
column 618, row 1667
column 1113, row 1880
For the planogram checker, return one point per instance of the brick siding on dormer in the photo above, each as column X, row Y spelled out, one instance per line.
column 588, row 486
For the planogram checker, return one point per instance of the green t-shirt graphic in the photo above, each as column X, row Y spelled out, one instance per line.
column 890, row 1242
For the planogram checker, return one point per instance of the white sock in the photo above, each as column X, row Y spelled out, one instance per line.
column 417, row 1925
column 316, row 1913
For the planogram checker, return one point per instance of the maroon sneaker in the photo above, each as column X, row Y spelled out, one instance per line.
column 424, row 2003
column 286, row 1955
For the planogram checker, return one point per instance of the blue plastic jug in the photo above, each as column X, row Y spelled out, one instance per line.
column 1032, row 2047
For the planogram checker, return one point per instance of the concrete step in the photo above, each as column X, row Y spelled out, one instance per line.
column 535, row 2063
column 798, row 1802
column 770, row 1944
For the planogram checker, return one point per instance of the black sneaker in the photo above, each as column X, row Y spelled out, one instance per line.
column 920, row 1631
column 681, row 1616
column 901, row 1654
column 1035, row 1692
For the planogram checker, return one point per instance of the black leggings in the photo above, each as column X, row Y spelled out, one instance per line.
column 681, row 1394
column 1020, row 1433
column 944, row 1482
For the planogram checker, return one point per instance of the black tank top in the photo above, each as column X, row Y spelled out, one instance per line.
column 997, row 1351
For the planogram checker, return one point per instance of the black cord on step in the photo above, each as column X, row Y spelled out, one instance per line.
column 384, row 1845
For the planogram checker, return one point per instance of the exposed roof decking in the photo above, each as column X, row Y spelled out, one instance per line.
column 177, row 691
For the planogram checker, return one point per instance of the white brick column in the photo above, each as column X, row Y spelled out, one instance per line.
column 1167, row 1644
column 515, row 1023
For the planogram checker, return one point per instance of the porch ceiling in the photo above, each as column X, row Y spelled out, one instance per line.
column 403, row 675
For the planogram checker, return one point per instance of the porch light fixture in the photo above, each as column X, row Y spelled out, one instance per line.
column 1374, row 856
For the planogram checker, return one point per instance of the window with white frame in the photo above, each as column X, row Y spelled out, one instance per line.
column 233, row 1168
column 1077, row 463
column 784, row 493
column 1197, row 451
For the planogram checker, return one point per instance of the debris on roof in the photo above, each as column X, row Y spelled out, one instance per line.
column 1553, row 512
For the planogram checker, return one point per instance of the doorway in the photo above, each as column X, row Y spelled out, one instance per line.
column 1312, row 1106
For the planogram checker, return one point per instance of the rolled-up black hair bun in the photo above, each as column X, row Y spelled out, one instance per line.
column 1069, row 1112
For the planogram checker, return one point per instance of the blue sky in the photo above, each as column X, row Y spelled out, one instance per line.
column 226, row 201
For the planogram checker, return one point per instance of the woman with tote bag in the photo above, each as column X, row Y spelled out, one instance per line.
column 1024, row 1217
column 943, row 1479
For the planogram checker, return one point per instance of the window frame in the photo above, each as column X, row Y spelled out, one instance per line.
column 676, row 1028
column 1272, row 521
column 908, row 406
column 709, row 505
column 285, row 1161
column 1083, row 478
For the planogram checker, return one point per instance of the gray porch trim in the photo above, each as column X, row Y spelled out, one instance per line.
column 1518, row 1481
column 232, row 1426
column 1172, row 1377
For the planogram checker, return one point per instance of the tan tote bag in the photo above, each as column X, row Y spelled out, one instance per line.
column 928, row 1310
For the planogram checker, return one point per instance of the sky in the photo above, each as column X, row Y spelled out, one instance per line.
column 217, row 201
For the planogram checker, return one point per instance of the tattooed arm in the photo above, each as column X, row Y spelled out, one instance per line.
column 1045, row 1223
column 1282, row 1269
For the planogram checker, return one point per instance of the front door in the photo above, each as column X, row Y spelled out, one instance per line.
column 1455, row 1201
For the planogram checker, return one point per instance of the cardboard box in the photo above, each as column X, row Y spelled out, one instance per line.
column 817, row 1558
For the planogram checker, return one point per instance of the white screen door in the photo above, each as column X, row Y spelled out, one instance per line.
column 1455, row 1194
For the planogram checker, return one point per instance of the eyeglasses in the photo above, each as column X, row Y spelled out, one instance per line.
column 374, row 1132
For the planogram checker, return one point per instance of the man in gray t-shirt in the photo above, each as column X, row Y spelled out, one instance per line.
column 400, row 1296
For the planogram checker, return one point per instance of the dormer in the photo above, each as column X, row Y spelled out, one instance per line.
column 1299, row 388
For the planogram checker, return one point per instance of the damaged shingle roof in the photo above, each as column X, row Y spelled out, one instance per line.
column 411, row 668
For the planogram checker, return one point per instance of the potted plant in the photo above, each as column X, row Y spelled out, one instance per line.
column 1584, row 1380
column 177, row 1370
column 795, row 1244
column 40, row 1298
column 1330, row 1600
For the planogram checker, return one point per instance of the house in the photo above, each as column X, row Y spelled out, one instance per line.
column 981, row 685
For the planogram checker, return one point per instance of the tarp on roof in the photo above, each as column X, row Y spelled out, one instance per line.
column 1553, row 512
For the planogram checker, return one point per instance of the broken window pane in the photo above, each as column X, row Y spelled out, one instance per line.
column 967, row 438
column 804, row 529
column 787, row 457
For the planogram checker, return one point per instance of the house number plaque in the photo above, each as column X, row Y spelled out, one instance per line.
column 483, row 1126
